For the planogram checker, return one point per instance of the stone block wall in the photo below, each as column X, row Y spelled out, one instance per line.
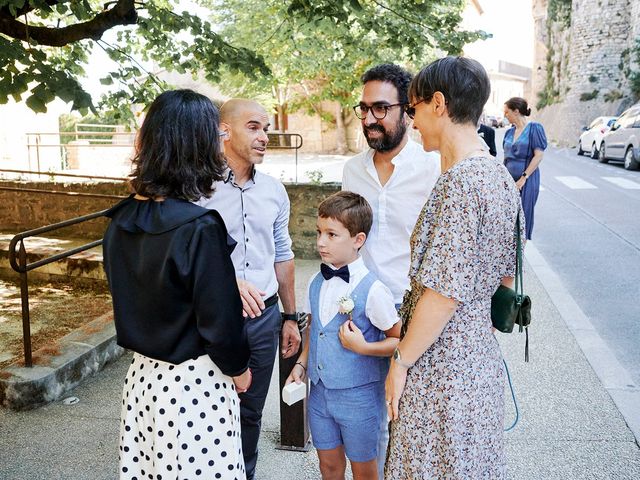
column 595, row 51
column 29, row 205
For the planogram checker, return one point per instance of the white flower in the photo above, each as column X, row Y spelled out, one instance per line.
column 345, row 305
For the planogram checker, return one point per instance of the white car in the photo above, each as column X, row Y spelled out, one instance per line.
column 622, row 142
column 591, row 137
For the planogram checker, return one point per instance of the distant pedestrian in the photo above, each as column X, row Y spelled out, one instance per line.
column 488, row 135
column 176, row 302
column 445, row 387
column 354, row 330
column 524, row 145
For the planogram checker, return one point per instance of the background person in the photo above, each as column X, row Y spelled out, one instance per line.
column 524, row 145
column 488, row 135
column 445, row 387
column 176, row 302
column 255, row 208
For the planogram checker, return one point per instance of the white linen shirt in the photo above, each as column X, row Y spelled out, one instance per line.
column 380, row 307
column 396, row 207
column 257, row 217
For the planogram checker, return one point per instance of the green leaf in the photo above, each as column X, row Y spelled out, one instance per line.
column 36, row 104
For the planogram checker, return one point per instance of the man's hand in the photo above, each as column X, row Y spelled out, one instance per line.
column 352, row 338
column 290, row 338
column 252, row 303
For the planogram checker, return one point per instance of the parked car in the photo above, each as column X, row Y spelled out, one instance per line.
column 591, row 137
column 622, row 142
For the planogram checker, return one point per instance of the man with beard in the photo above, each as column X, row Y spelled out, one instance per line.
column 255, row 209
column 396, row 176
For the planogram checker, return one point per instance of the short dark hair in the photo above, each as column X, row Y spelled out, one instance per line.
column 350, row 209
column 178, row 150
column 389, row 72
column 519, row 104
column 463, row 82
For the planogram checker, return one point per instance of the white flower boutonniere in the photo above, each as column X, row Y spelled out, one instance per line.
column 346, row 306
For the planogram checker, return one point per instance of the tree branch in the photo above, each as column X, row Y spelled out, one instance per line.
column 123, row 13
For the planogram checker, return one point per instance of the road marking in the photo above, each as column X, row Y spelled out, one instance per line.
column 623, row 183
column 576, row 183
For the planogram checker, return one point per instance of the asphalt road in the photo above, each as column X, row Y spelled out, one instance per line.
column 587, row 228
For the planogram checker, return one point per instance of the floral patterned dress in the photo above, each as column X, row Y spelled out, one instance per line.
column 452, row 409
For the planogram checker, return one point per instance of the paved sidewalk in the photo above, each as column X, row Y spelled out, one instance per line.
column 569, row 428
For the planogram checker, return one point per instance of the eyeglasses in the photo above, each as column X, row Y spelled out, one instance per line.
column 379, row 111
column 411, row 109
column 223, row 134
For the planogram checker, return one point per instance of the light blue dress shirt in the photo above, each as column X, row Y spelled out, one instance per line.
column 257, row 217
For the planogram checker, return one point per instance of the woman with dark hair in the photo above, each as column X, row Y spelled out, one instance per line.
column 524, row 145
column 445, row 387
column 176, row 302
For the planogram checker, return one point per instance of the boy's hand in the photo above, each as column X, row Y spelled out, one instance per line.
column 351, row 337
column 298, row 374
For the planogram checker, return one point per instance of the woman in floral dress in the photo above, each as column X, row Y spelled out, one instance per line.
column 445, row 386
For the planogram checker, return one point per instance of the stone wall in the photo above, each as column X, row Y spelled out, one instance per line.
column 587, row 62
column 29, row 205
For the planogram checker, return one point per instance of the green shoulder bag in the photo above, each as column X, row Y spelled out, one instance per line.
column 512, row 307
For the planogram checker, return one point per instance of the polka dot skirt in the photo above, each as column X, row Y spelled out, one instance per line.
column 179, row 422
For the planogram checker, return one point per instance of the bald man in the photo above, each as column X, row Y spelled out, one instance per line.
column 255, row 209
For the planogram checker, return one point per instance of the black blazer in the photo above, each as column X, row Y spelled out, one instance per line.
column 489, row 137
column 173, row 285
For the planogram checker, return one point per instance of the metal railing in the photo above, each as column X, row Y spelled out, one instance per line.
column 286, row 141
column 61, row 174
column 294, row 424
column 18, row 261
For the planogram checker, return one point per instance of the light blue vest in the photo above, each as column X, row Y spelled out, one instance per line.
column 329, row 361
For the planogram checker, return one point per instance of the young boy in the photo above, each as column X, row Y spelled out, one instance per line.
column 354, row 329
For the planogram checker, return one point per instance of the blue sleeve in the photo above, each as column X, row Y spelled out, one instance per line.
column 538, row 138
column 506, row 135
column 281, row 236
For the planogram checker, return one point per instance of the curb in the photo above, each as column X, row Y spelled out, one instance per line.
column 612, row 375
column 78, row 355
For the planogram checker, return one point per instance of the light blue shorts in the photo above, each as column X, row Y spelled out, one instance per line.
column 349, row 417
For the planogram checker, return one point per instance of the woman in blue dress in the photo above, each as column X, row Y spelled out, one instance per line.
column 524, row 144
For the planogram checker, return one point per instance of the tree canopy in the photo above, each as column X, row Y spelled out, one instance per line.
column 317, row 50
column 315, row 46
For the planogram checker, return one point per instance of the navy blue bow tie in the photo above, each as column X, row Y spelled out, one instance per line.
column 328, row 273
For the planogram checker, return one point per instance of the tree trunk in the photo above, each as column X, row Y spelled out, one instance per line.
column 342, row 146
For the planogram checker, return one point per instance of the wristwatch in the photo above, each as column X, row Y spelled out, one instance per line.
column 290, row 316
column 524, row 175
column 398, row 359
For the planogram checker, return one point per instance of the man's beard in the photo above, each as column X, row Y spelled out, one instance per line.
column 388, row 141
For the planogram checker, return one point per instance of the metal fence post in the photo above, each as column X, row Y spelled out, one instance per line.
column 24, row 294
column 294, row 425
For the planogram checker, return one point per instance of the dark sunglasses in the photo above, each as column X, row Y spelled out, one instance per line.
column 411, row 109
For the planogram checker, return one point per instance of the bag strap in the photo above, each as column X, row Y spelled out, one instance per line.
column 520, row 287
column 518, row 280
